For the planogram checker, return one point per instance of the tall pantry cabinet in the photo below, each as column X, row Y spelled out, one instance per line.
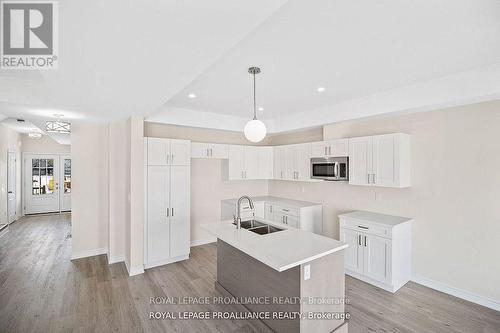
column 167, row 199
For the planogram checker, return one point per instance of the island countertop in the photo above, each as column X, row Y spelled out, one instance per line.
column 279, row 250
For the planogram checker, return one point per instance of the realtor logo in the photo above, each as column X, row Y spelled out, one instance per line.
column 29, row 35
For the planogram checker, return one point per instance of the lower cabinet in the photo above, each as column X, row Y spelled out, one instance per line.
column 167, row 227
column 379, row 254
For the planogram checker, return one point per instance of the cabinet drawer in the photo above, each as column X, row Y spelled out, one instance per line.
column 288, row 211
column 363, row 226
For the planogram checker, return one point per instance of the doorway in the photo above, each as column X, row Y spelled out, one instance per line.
column 11, row 187
column 47, row 180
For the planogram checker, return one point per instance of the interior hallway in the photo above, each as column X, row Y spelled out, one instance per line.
column 41, row 290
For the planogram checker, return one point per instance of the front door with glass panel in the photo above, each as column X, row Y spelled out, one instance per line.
column 65, row 188
column 42, row 183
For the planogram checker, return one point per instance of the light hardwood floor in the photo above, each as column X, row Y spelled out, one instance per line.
column 41, row 290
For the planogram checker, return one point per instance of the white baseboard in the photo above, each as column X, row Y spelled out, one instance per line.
column 115, row 259
column 460, row 293
column 89, row 253
column 135, row 270
column 199, row 242
column 166, row 261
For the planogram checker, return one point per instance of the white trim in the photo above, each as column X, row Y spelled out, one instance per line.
column 89, row 253
column 166, row 261
column 115, row 259
column 135, row 270
column 460, row 293
column 199, row 242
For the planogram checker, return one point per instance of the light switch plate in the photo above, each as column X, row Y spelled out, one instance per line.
column 307, row 272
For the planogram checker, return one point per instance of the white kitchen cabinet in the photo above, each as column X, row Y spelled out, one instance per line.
column 381, row 160
column 280, row 162
column 379, row 249
column 248, row 163
column 167, row 216
column 292, row 162
column 265, row 162
column 209, row 150
column 331, row 148
column 168, row 151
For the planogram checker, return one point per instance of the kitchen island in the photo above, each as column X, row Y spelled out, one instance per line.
column 300, row 275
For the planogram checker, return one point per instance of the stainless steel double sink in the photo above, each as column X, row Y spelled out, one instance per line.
column 259, row 227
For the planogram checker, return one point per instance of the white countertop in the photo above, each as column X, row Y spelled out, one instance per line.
column 277, row 200
column 279, row 250
column 376, row 217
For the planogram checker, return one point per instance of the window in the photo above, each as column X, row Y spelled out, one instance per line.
column 67, row 175
column 42, row 176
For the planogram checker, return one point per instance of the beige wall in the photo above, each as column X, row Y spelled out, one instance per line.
column 45, row 144
column 307, row 135
column 119, row 187
column 9, row 141
column 90, row 205
column 454, row 196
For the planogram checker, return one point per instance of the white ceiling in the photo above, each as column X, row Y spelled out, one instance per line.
column 373, row 57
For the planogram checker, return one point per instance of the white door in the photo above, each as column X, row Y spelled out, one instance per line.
column 376, row 258
column 236, row 162
column 338, row 148
column 319, row 149
column 41, row 183
column 180, row 152
column 354, row 252
column 11, row 187
column 291, row 157
column 384, row 172
column 251, row 162
column 360, row 160
column 158, row 151
column 179, row 211
column 158, row 225
column 279, row 163
column 304, row 161
column 268, row 211
column 65, row 181
column 218, row 151
column 266, row 163
column 200, row 150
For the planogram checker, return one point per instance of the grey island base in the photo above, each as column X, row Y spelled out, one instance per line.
column 297, row 277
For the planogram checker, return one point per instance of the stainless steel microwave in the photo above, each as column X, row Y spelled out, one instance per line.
column 330, row 168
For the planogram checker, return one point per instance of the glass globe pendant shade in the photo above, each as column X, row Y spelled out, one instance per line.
column 255, row 130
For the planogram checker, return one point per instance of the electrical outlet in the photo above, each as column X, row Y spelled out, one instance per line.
column 307, row 272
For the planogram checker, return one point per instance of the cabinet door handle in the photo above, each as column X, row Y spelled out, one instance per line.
column 365, row 241
column 374, row 178
column 359, row 240
column 168, row 212
column 172, row 211
column 172, row 158
column 207, row 152
column 329, row 150
column 168, row 157
column 363, row 227
column 325, row 151
column 368, row 181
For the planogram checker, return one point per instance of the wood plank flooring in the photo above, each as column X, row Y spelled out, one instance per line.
column 41, row 290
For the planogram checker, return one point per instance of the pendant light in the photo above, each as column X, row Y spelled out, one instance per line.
column 255, row 130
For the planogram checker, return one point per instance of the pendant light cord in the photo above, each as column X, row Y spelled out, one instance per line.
column 254, row 103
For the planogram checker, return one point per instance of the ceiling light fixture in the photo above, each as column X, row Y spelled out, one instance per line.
column 255, row 130
column 191, row 95
column 320, row 89
column 260, row 108
column 35, row 135
column 57, row 126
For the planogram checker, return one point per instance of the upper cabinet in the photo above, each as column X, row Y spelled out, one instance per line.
column 381, row 160
column 248, row 162
column 209, row 150
column 292, row 162
column 168, row 151
column 332, row 148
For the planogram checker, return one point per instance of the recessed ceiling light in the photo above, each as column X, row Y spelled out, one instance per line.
column 320, row 89
column 260, row 108
column 191, row 95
